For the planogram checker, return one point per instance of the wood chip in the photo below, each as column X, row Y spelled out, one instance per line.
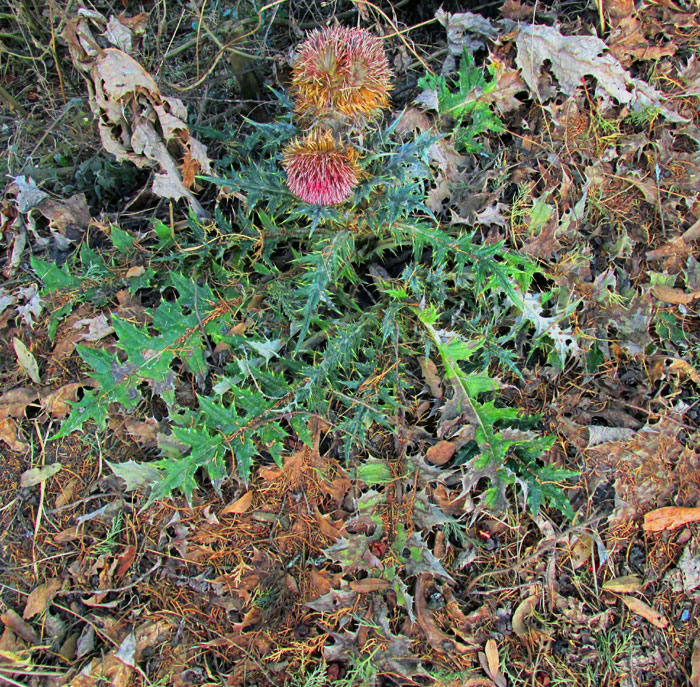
column 369, row 584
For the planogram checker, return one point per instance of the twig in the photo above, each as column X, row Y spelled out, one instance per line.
column 12, row 103
column 126, row 587
column 73, row 102
column 205, row 338
column 40, row 507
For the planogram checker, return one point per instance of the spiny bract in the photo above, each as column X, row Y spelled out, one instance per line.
column 343, row 70
column 319, row 169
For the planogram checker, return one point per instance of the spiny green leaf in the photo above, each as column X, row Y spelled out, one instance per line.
column 52, row 276
column 89, row 408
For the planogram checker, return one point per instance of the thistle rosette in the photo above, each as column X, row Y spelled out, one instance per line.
column 319, row 169
column 341, row 70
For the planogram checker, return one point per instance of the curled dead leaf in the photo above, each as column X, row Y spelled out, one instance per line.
column 669, row 294
column 55, row 403
column 441, row 642
column 581, row 551
column 11, row 620
column 524, row 609
column 135, row 121
column 325, row 526
column 684, row 369
column 8, row 434
column 441, row 452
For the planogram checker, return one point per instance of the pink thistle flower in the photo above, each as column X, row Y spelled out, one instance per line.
column 320, row 170
column 341, row 69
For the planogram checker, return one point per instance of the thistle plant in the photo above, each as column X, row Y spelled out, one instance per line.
column 323, row 286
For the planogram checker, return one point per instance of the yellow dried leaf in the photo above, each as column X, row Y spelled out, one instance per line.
column 669, row 518
column 135, row 271
column 624, row 585
column 684, row 369
column 40, row 598
column 240, row 505
column 695, row 665
column 581, row 551
column 491, row 650
column 640, row 608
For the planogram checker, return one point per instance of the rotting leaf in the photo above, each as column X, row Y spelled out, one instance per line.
column 353, row 553
column 572, row 58
column 421, row 560
column 130, row 108
column 26, row 360
column 441, row 642
column 431, row 376
column 70, row 217
column 34, row 476
column 15, row 401
column 334, row 600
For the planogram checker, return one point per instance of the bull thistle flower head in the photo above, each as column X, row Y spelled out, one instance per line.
column 341, row 70
column 319, row 169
